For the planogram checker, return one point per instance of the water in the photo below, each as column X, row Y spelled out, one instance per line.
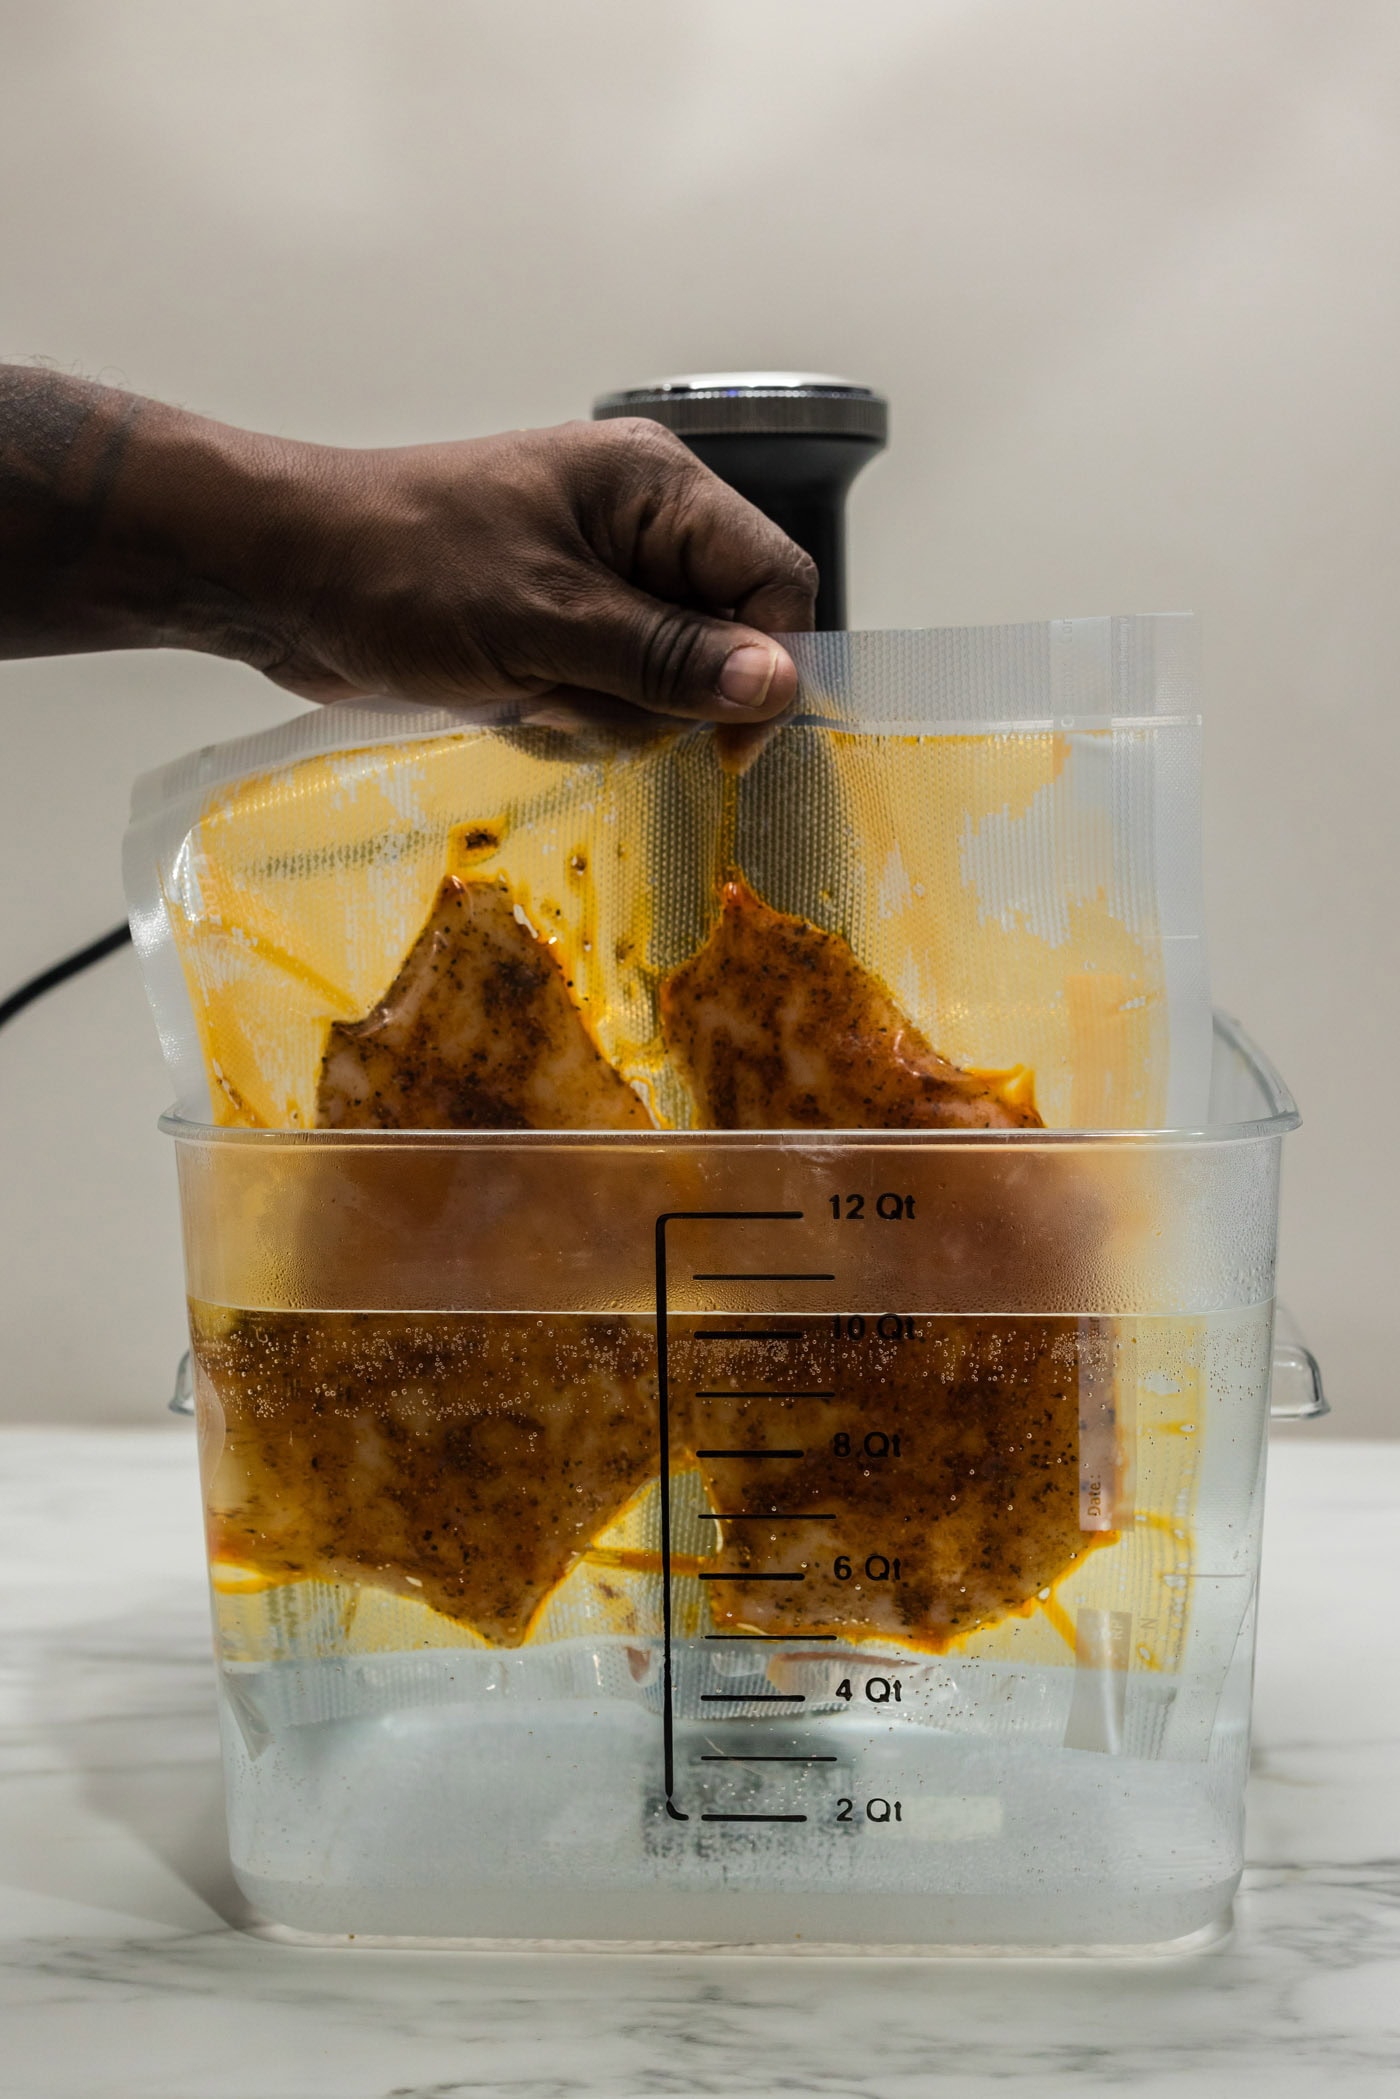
column 544, row 1816
column 1072, row 1775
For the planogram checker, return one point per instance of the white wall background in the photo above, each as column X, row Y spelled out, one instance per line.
column 1127, row 268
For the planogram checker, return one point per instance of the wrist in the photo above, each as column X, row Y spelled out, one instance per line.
column 219, row 530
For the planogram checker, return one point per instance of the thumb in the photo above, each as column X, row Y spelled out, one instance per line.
column 667, row 659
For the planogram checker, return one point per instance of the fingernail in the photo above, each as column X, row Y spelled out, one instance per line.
column 747, row 675
column 556, row 715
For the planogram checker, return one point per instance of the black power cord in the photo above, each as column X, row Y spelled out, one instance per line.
column 48, row 979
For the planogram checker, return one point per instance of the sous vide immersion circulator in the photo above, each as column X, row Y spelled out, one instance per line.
column 790, row 442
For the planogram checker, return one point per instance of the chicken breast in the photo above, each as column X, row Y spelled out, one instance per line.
column 459, row 1460
column 776, row 1026
column 468, row 1460
column 929, row 1482
column 478, row 1031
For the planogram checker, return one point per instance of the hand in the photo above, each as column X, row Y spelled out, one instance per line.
column 593, row 559
column 570, row 569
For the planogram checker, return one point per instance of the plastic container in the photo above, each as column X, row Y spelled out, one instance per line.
column 727, row 1724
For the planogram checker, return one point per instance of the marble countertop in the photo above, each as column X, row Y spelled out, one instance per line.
column 123, row 1974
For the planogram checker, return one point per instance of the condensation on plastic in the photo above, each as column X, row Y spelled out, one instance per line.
column 1004, row 823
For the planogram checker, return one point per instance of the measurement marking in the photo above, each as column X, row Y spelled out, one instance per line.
column 768, row 1760
column 750, row 1333
column 750, row 1453
column 753, row 1697
column 753, row 1577
column 756, row 1275
column 753, row 1818
column 769, row 1393
column 663, row 1396
column 787, row 1638
column 762, row 1516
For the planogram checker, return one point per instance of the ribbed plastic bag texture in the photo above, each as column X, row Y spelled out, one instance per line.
column 1002, row 822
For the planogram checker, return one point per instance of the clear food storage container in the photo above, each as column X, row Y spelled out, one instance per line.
column 844, row 1539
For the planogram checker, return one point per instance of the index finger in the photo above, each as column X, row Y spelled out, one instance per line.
column 686, row 536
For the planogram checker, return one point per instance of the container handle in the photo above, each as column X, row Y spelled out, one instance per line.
column 182, row 1398
column 1295, row 1390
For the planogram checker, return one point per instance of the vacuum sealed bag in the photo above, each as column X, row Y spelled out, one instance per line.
column 958, row 888
column 981, row 845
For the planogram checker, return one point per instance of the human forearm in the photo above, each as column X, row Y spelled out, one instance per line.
column 127, row 524
column 592, row 559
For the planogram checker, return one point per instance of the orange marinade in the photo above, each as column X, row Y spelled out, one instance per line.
column 469, row 1460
